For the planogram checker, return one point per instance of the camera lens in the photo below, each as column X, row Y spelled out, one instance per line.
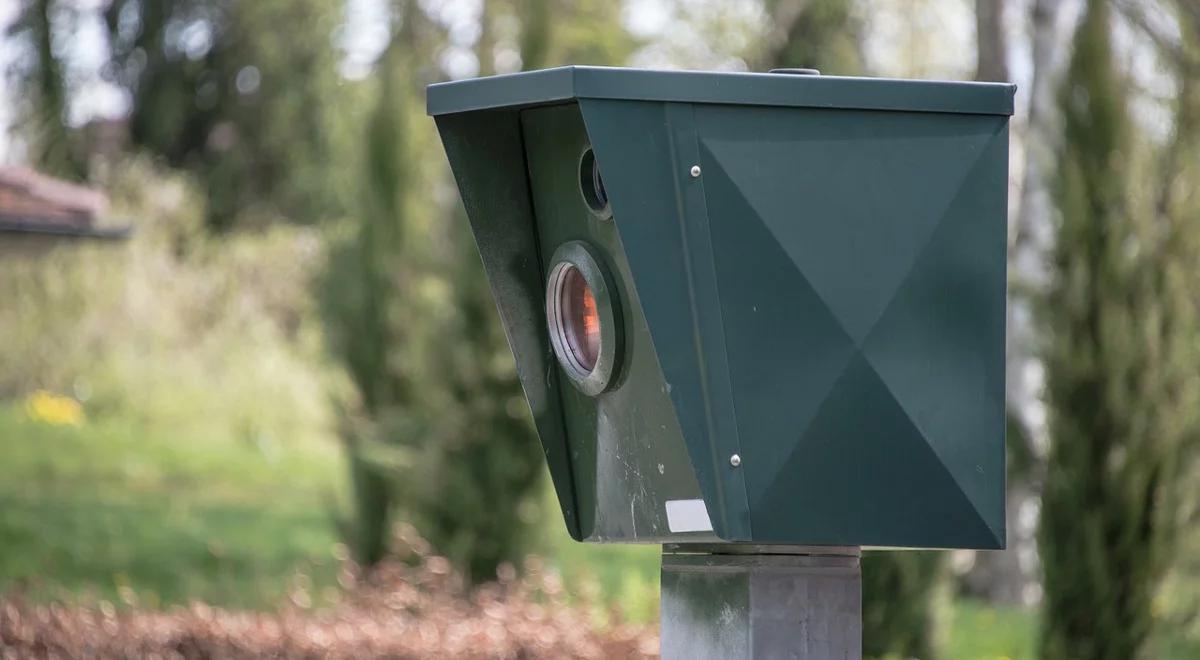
column 582, row 318
column 592, row 185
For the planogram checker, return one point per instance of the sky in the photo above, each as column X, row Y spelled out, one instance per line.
column 8, row 12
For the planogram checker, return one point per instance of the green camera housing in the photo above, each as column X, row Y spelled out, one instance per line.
column 799, row 283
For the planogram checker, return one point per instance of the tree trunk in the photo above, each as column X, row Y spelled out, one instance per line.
column 51, row 145
column 535, row 33
column 992, row 42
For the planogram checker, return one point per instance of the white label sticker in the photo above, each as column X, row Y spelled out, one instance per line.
column 688, row 516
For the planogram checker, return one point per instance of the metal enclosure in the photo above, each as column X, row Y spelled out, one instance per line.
column 810, row 273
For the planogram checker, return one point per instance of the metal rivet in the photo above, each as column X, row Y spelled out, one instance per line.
column 695, row 171
column 735, row 460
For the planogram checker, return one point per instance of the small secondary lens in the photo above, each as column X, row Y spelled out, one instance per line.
column 591, row 185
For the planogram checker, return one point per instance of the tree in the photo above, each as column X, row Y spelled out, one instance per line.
column 242, row 94
column 483, row 465
column 1121, row 368
column 42, row 85
column 904, row 593
column 558, row 33
column 480, row 496
column 1179, row 194
column 438, row 431
column 481, row 483
column 359, row 297
column 817, row 34
column 370, row 303
column 991, row 61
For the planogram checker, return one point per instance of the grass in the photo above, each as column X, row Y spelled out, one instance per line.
column 112, row 511
column 979, row 631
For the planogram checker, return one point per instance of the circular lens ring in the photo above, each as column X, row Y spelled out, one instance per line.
column 591, row 185
column 589, row 362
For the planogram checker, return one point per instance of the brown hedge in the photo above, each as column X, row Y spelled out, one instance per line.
column 395, row 611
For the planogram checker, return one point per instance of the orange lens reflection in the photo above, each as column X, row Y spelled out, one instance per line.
column 581, row 319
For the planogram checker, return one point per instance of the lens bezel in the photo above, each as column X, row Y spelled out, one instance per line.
column 578, row 256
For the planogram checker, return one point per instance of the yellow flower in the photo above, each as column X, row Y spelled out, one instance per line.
column 49, row 408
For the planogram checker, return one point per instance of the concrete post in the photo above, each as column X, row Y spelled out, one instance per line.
column 754, row 601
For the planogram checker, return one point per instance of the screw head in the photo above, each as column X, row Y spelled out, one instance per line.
column 735, row 460
column 695, row 171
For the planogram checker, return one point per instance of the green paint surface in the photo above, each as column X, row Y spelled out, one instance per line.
column 813, row 282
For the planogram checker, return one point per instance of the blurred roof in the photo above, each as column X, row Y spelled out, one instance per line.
column 31, row 202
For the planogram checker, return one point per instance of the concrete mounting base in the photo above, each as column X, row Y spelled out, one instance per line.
column 748, row 601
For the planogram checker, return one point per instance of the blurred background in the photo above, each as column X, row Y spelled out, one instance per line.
column 254, row 397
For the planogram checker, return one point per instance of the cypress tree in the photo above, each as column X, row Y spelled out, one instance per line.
column 360, row 294
column 482, row 470
column 1121, row 373
column 439, row 433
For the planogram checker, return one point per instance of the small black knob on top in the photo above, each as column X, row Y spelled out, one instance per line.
column 796, row 72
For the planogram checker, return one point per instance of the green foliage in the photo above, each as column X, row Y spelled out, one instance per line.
column 242, row 94
column 549, row 33
column 980, row 631
column 481, row 467
column 483, row 463
column 582, row 32
column 363, row 302
column 619, row 581
column 485, row 474
column 220, row 331
column 821, row 34
column 46, row 329
column 1181, row 194
column 1121, row 369
column 204, row 466
column 43, row 89
column 905, row 594
column 438, row 430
